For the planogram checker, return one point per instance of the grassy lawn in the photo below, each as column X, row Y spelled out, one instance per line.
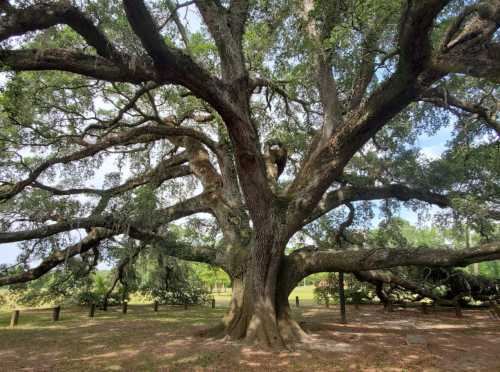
column 79, row 343
column 175, row 339
column 305, row 293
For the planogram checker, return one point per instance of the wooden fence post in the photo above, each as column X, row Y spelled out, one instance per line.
column 389, row 307
column 297, row 302
column 424, row 309
column 56, row 311
column 495, row 309
column 458, row 310
column 14, row 319
column 343, row 317
column 105, row 305
column 213, row 303
column 155, row 306
column 185, row 305
column 124, row 307
column 92, row 310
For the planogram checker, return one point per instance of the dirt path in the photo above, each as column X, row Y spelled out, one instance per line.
column 373, row 340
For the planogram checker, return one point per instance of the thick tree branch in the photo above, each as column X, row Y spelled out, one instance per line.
column 226, row 27
column 42, row 16
column 169, row 247
column 468, row 47
column 172, row 64
column 352, row 260
column 322, row 167
column 137, row 71
column 387, row 277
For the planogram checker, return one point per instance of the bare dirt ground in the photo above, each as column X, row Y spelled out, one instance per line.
column 171, row 340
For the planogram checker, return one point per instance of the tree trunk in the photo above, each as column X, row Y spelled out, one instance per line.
column 259, row 310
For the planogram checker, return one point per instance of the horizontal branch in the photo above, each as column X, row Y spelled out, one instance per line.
column 168, row 246
column 97, row 67
column 307, row 261
column 117, row 222
column 387, row 277
column 142, row 134
column 136, row 135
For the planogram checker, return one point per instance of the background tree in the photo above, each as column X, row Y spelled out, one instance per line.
column 344, row 88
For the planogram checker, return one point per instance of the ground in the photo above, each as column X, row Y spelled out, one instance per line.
column 175, row 340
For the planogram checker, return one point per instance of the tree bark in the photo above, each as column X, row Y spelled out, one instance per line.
column 259, row 310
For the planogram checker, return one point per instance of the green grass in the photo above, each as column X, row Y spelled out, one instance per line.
column 305, row 294
column 33, row 318
column 110, row 340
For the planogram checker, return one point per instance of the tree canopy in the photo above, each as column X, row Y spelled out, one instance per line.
column 252, row 122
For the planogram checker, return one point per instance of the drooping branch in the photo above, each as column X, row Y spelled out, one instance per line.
column 120, row 270
column 143, row 134
column 91, row 241
column 442, row 98
column 117, row 222
column 350, row 194
column 386, row 277
column 136, row 135
column 169, row 247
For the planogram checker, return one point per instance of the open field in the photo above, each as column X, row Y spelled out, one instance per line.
column 176, row 340
column 305, row 293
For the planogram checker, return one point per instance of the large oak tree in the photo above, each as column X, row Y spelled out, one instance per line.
column 337, row 88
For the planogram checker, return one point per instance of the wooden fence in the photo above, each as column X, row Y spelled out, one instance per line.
column 493, row 309
column 56, row 311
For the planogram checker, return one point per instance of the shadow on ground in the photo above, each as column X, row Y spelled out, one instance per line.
column 170, row 340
